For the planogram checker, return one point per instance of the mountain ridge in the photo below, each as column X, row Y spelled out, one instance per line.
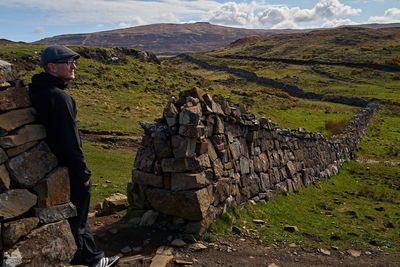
column 171, row 39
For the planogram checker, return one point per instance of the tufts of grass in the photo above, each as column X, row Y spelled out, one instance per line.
column 354, row 208
column 335, row 127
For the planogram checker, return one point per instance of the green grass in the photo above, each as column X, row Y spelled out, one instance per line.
column 338, row 80
column 339, row 212
column 342, row 211
column 111, row 169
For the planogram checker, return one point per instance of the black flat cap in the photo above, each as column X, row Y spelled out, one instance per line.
column 54, row 53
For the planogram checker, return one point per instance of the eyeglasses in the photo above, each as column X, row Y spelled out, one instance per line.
column 68, row 62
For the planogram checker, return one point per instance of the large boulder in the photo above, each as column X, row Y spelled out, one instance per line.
column 29, row 167
column 50, row 245
column 14, row 230
column 191, row 205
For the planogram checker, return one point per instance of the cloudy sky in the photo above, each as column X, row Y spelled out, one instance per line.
column 31, row 20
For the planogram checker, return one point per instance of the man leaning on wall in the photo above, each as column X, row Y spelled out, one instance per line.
column 57, row 112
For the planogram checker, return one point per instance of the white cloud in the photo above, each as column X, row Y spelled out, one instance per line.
column 38, row 30
column 274, row 15
column 102, row 11
column 338, row 22
column 324, row 9
column 391, row 15
column 232, row 13
column 277, row 16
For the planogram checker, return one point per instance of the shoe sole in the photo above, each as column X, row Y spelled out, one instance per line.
column 113, row 262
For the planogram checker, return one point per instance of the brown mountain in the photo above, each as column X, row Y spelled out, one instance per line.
column 163, row 39
column 169, row 39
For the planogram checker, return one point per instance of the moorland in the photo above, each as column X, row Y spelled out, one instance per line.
column 358, row 208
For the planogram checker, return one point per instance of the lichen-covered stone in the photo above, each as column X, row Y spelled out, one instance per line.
column 4, row 178
column 13, row 231
column 14, row 98
column 50, row 245
column 13, row 119
column 190, row 205
column 54, row 189
column 29, row 167
column 16, row 202
column 146, row 178
column 55, row 213
column 188, row 181
column 26, row 134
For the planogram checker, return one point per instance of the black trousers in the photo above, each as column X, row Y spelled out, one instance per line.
column 87, row 253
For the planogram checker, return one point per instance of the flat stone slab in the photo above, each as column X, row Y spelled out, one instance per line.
column 16, row 118
column 24, row 135
column 55, row 213
column 16, row 202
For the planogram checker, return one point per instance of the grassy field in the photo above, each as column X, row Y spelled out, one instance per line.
column 358, row 207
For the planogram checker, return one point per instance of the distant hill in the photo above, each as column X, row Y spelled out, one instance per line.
column 8, row 42
column 163, row 39
column 344, row 44
column 171, row 39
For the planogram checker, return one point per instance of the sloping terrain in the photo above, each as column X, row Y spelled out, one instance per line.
column 358, row 209
column 345, row 45
column 350, row 61
column 168, row 39
column 162, row 39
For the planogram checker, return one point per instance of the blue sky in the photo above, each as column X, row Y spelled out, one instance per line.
column 31, row 20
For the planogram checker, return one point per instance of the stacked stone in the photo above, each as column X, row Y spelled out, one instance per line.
column 34, row 191
column 206, row 155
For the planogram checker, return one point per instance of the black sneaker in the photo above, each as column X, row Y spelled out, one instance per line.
column 107, row 261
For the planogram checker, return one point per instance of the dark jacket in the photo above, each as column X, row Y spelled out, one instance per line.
column 57, row 112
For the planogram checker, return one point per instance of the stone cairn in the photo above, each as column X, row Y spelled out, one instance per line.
column 34, row 191
column 205, row 156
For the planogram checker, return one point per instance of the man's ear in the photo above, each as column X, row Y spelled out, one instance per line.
column 51, row 67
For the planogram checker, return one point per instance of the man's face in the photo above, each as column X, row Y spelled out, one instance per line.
column 63, row 69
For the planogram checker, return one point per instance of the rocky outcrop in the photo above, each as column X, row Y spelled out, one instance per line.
column 206, row 155
column 116, row 55
column 34, row 191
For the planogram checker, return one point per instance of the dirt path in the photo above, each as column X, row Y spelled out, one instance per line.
column 113, row 235
column 113, row 141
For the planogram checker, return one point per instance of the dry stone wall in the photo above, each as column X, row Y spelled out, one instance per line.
column 34, row 190
column 205, row 155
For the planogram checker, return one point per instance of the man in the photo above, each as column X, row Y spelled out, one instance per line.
column 57, row 111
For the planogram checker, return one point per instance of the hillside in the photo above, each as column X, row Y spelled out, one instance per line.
column 350, row 61
column 161, row 39
column 347, row 44
column 355, row 210
column 170, row 39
